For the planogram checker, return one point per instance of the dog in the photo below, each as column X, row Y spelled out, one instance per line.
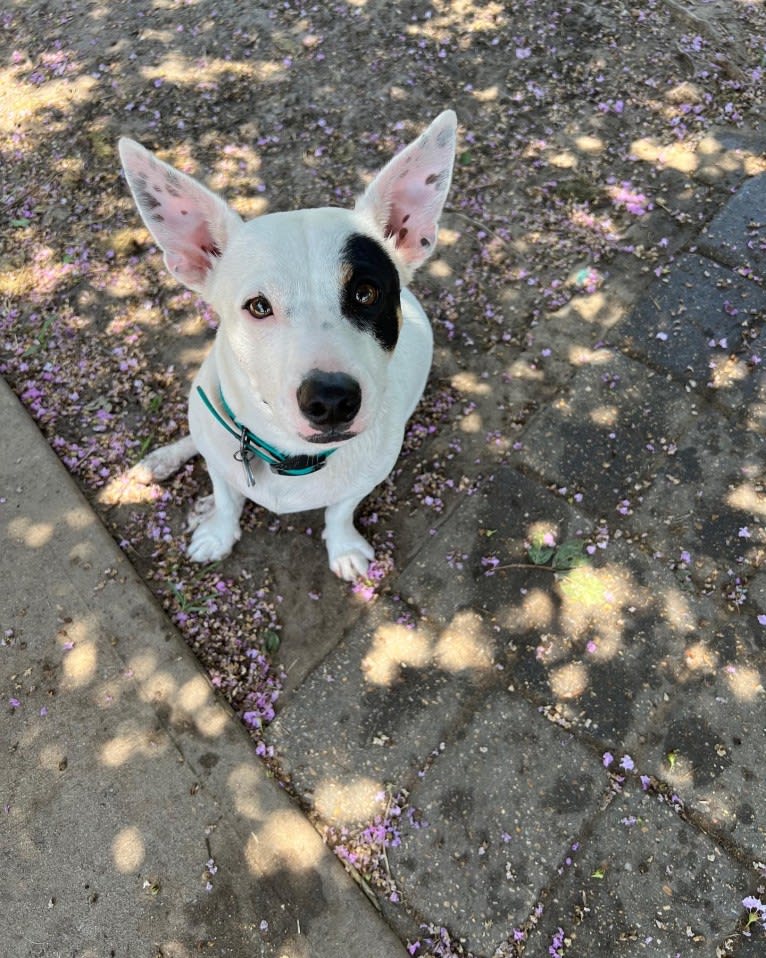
column 321, row 353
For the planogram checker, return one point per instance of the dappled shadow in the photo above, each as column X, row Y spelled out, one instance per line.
column 582, row 177
column 397, row 747
column 137, row 806
column 587, row 640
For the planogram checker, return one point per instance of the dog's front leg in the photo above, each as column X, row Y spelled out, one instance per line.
column 164, row 461
column 216, row 529
column 348, row 551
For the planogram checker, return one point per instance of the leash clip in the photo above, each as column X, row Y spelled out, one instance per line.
column 244, row 455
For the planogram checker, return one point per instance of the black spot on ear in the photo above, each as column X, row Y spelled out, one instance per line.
column 424, row 241
column 151, row 202
column 444, row 138
column 364, row 262
column 431, row 178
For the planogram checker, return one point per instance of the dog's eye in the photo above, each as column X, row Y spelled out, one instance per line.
column 259, row 307
column 366, row 294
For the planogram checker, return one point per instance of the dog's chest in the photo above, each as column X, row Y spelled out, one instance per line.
column 282, row 494
column 358, row 466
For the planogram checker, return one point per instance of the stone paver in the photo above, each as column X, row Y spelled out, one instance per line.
column 707, row 741
column 642, row 882
column 478, row 558
column 587, row 642
column 696, row 314
column 737, row 235
column 607, row 434
column 707, row 500
column 374, row 711
column 498, row 812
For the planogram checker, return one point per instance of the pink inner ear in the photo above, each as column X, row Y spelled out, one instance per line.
column 177, row 220
column 407, row 196
column 190, row 248
column 412, row 216
column 192, row 258
column 185, row 218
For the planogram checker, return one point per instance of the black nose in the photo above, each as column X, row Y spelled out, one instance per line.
column 329, row 400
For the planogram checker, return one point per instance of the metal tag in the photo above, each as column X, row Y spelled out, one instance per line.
column 244, row 456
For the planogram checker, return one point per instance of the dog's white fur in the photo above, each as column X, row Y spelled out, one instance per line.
column 293, row 259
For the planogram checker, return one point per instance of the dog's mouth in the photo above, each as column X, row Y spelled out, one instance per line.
column 330, row 436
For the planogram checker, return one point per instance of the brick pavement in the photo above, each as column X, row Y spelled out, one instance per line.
column 491, row 691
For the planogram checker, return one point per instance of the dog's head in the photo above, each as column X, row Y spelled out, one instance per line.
column 309, row 301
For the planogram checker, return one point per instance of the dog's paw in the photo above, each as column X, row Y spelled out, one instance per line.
column 352, row 565
column 350, row 557
column 142, row 473
column 212, row 539
column 155, row 467
column 163, row 462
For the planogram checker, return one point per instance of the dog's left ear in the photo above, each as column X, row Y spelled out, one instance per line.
column 406, row 198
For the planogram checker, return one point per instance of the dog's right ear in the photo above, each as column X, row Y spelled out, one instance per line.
column 190, row 223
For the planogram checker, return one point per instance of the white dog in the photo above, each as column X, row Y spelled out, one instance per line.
column 321, row 354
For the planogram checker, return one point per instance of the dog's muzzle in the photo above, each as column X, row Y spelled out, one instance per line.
column 329, row 402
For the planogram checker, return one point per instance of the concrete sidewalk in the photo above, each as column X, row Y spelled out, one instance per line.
column 546, row 759
column 136, row 819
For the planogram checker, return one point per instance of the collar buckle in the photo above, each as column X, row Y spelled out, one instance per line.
column 299, row 465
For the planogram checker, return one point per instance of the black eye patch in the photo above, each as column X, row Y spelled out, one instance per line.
column 367, row 268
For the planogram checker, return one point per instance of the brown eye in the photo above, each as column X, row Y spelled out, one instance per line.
column 259, row 307
column 366, row 294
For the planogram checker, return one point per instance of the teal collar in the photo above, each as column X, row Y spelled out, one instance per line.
column 250, row 445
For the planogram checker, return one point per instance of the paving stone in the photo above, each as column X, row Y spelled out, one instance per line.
column 753, row 412
column 757, row 591
column 713, row 724
column 596, row 642
column 378, row 706
column 737, row 235
column 608, row 433
column 373, row 712
column 727, row 156
column 682, row 320
column 752, row 945
column 503, row 806
column 708, row 500
column 738, row 385
column 475, row 554
column 643, row 883
column 585, row 643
